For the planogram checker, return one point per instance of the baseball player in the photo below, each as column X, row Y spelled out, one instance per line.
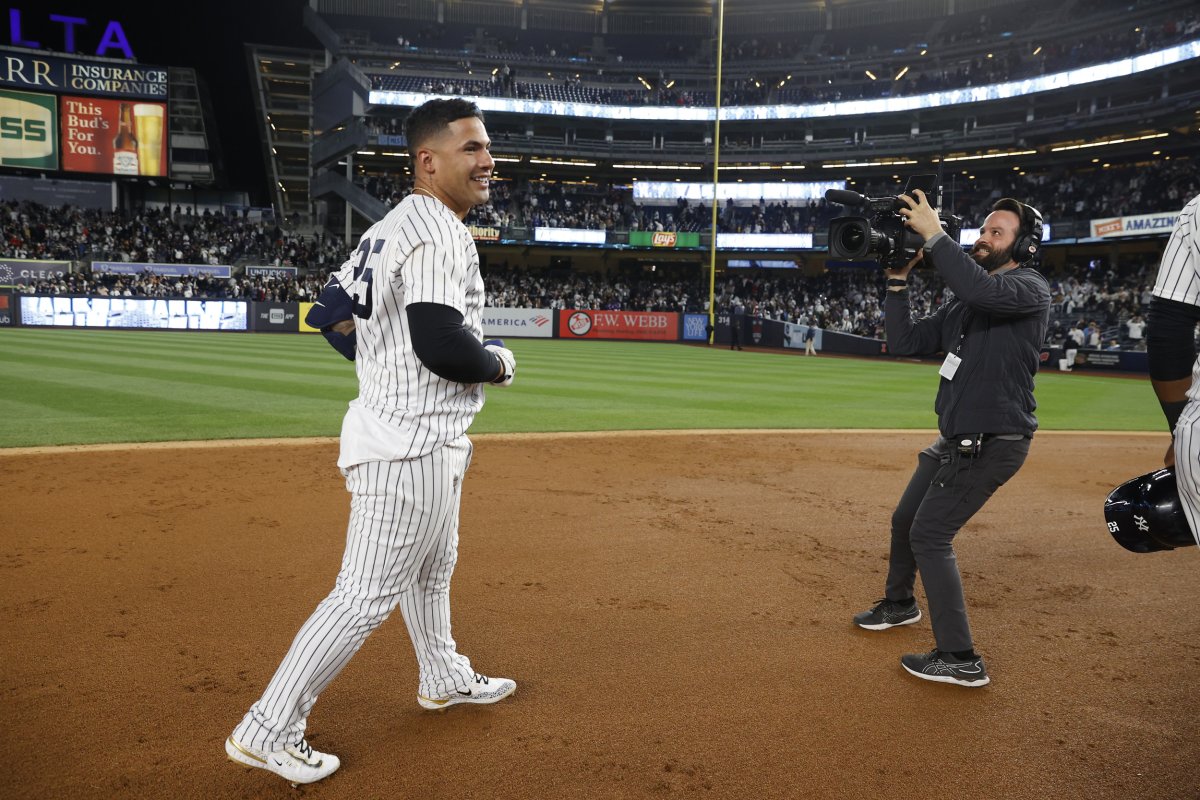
column 991, row 332
column 1171, row 346
column 407, row 308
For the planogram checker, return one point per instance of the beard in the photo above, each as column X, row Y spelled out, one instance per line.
column 991, row 259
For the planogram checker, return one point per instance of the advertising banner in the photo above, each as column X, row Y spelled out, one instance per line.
column 7, row 309
column 764, row 332
column 569, row 235
column 275, row 317
column 663, row 239
column 838, row 342
column 25, row 70
column 26, row 272
column 134, row 312
column 526, row 322
column 114, row 137
column 595, row 324
column 1124, row 360
column 302, row 326
column 759, row 263
column 764, row 241
column 484, row 233
column 28, row 130
column 171, row 270
column 1138, row 225
column 793, row 336
column 272, row 272
column 695, row 327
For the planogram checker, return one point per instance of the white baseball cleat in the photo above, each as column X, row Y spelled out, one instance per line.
column 482, row 689
column 296, row 763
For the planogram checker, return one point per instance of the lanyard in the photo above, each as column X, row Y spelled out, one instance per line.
column 967, row 316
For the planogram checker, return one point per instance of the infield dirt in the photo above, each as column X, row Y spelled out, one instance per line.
column 675, row 609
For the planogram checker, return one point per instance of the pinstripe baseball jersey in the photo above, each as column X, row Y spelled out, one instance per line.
column 1179, row 271
column 419, row 253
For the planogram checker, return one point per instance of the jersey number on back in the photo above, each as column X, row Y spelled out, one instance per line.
column 363, row 273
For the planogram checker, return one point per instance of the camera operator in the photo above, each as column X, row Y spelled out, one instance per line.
column 991, row 330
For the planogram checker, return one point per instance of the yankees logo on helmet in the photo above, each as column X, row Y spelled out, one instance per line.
column 1144, row 514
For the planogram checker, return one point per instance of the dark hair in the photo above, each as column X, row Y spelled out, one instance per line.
column 432, row 117
column 1016, row 207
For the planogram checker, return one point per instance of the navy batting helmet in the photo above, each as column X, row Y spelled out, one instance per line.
column 1144, row 514
column 332, row 306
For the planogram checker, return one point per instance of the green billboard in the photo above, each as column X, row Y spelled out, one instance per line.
column 663, row 239
column 28, row 130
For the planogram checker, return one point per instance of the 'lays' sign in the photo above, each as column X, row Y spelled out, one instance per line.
column 663, row 239
column 28, row 130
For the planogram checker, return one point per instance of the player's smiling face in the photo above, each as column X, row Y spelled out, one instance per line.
column 460, row 166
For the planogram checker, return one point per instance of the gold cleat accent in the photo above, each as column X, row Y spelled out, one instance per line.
column 244, row 752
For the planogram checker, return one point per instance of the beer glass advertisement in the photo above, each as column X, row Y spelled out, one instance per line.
column 113, row 137
column 28, row 137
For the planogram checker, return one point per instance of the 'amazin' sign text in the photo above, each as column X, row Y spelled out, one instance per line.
column 113, row 37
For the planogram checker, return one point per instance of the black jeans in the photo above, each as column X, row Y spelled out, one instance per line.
column 942, row 495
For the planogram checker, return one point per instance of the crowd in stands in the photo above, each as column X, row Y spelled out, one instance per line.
column 203, row 286
column 1104, row 306
column 849, row 302
column 1098, row 308
column 34, row 231
column 786, row 55
column 1152, row 187
column 1144, row 26
column 1003, row 62
column 1108, row 306
column 552, row 204
column 565, row 87
column 1060, row 194
column 1110, row 302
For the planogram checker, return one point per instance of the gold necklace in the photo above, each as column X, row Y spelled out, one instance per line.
column 426, row 191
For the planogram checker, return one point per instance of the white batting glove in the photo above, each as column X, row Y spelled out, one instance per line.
column 507, row 360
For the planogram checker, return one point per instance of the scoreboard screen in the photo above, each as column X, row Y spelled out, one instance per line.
column 99, row 116
column 134, row 312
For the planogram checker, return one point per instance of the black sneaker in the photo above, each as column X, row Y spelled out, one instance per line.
column 888, row 614
column 945, row 668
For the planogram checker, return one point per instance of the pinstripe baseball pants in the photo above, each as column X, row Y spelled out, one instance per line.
column 1187, row 464
column 401, row 548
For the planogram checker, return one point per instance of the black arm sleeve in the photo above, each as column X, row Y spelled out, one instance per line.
column 1171, row 339
column 446, row 348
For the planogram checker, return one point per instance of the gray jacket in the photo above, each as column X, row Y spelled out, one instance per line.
column 1005, row 318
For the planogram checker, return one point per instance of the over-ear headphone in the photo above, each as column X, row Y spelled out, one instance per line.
column 1028, row 246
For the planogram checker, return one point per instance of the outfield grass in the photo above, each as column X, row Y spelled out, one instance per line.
column 74, row 387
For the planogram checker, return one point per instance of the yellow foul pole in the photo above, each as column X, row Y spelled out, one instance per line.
column 712, row 249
